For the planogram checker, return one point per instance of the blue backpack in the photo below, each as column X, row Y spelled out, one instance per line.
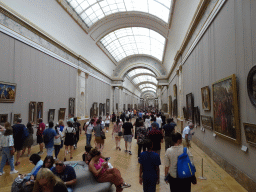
column 185, row 168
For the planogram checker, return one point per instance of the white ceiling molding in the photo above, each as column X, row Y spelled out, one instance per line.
column 140, row 74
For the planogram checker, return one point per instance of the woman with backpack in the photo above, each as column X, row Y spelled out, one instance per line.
column 69, row 135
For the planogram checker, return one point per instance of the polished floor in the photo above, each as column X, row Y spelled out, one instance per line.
column 216, row 178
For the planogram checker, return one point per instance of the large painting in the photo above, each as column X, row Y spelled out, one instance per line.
column 165, row 108
column 190, row 107
column 32, row 112
column 108, row 106
column 206, row 102
column 71, row 109
column 197, row 116
column 7, row 92
column 250, row 133
column 251, row 85
column 61, row 115
column 51, row 115
column 16, row 117
column 3, row 119
column 206, row 121
column 175, row 108
column 225, row 109
column 40, row 108
column 100, row 109
column 185, row 113
column 170, row 105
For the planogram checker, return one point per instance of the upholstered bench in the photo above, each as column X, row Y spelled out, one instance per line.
column 85, row 179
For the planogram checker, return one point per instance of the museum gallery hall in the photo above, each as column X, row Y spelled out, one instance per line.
column 191, row 60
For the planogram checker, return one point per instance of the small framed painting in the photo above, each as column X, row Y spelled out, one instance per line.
column 7, row 92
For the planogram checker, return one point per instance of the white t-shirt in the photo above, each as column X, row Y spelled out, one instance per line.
column 159, row 121
column 107, row 120
column 186, row 131
column 89, row 128
column 69, row 130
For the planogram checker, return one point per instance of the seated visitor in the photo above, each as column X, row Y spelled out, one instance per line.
column 36, row 160
column 101, row 171
column 47, row 181
column 66, row 173
column 86, row 156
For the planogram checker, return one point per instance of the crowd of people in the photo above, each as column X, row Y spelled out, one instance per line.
column 150, row 129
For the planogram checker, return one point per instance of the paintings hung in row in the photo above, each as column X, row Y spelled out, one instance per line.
column 7, row 92
column 250, row 133
column 206, row 121
column 190, row 107
column 108, row 106
column 71, row 109
column 251, row 85
column 225, row 109
column 61, row 115
column 3, row 119
column 206, row 102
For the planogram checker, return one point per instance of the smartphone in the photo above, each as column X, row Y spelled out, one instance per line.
column 107, row 158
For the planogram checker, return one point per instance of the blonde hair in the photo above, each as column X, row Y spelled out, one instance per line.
column 61, row 122
column 45, row 173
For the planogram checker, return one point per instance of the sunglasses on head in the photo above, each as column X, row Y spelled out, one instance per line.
column 59, row 164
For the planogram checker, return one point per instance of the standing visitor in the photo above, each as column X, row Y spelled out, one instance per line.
column 88, row 128
column 128, row 134
column 156, row 137
column 116, row 132
column 97, row 130
column 141, row 137
column 187, row 135
column 159, row 121
column 48, row 136
column 57, row 142
column 29, row 141
column 77, row 127
column 69, row 133
column 169, row 130
column 107, row 121
column 39, row 135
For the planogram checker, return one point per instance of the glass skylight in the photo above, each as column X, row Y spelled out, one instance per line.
column 91, row 11
column 143, row 78
column 148, row 89
column 138, row 71
column 147, row 85
column 134, row 40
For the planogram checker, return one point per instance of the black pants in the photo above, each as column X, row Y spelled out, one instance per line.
column 140, row 146
column 57, row 150
column 180, row 185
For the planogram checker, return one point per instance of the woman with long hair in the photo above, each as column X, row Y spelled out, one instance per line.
column 47, row 181
column 7, row 143
column 69, row 133
column 29, row 140
column 97, row 130
column 117, row 128
column 141, row 136
column 101, row 171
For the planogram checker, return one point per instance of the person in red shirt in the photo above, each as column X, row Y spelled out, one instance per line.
column 39, row 134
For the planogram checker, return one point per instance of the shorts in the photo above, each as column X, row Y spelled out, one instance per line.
column 128, row 138
column 99, row 140
column 39, row 139
column 116, row 135
column 106, row 124
column 18, row 146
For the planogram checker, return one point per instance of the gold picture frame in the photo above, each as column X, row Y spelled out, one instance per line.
column 225, row 109
column 206, row 101
column 250, row 133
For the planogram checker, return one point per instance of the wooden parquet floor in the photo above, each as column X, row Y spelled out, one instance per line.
column 217, row 178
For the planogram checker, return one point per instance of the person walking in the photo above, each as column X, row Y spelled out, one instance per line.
column 88, row 128
column 156, row 137
column 187, row 135
column 169, row 130
column 39, row 134
column 7, row 144
column 57, row 142
column 116, row 133
column 107, row 122
column 29, row 141
column 141, row 137
column 78, row 129
column 128, row 134
column 69, row 133
column 97, row 130
column 48, row 136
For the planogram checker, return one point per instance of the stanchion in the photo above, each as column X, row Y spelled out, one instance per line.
column 202, row 177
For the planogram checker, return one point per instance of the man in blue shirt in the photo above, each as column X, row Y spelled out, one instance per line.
column 66, row 173
column 48, row 137
column 149, row 168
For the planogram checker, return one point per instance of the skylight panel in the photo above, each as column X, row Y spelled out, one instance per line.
column 137, row 39
column 158, row 8
column 148, row 89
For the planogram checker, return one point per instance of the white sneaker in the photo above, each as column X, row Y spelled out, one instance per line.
column 14, row 171
column 1, row 173
column 106, row 131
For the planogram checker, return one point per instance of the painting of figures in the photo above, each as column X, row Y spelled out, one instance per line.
column 206, row 103
column 206, row 122
column 250, row 133
column 32, row 112
column 7, row 92
column 40, row 107
column 107, row 106
column 190, row 107
column 225, row 108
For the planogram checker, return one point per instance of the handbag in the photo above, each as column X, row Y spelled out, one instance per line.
column 120, row 133
column 102, row 134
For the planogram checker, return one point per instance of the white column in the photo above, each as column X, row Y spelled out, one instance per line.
column 120, row 103
column 111, row 105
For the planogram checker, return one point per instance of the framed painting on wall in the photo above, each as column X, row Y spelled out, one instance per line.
column 251, row 85
column 95, row 108
column 175, row 108
column 197, row 116
column 185, row 113
column 206, row 102
column 3, row 119
column 71, row 108
column 16, row 117
column 61, row 115
column 32, row 112
column 7, row 92
column 190, row 107
column 250, row 133
column 165, row 107
column 206, row 121
column 100, row 109
column 104, row 109
column 170, row 105
column 225, row 109
column 108, row 106
column 51, row 115
column 40, row 108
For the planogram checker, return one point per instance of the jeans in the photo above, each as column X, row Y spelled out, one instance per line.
column 57, row 150
column 88, row 139
column 6, row 155
column 50, row 151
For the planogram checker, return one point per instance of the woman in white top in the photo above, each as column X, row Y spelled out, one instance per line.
column 147, row 122
column 69, row 133
column 107, row 121
column 171, row 160
column 88, row 131
column 7, row 143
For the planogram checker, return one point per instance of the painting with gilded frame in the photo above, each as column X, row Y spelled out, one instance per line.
column 206, row 102
column 250, row 133
column 190, row 107
column 32, row 112
column 51, row 115
column 206, row 121
column 251, row 85
column 170, row 105
column 40, row 108
column 225, row 109
column 108, row 106
column 7, row 92
column 16, row 117
column 61, row 115
column 100, row 109
column 185, row 113
column 197, row 116
column 175, row 108
column 95, row 109
column 71, row 108
column 3, row 119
